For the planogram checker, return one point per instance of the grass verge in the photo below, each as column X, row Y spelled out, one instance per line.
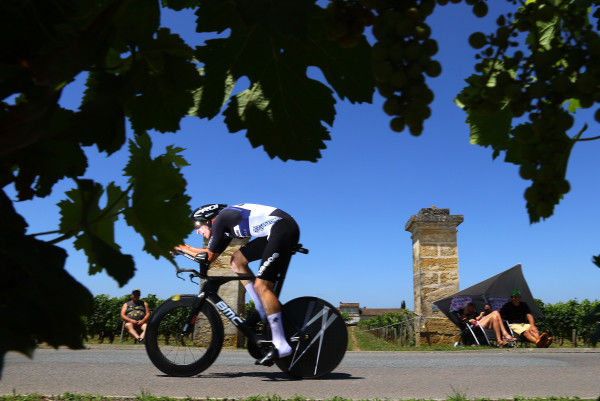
column 368, row 342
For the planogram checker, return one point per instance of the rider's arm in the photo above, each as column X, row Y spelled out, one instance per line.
column 193, row 251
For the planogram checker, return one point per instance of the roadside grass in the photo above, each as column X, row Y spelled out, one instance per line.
column 149, row 397
column 364, row 341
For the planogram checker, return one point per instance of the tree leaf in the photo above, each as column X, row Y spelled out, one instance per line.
column 347, row 70
column 574, row 104
column 94, row 228
column 164, row 94
column 283, row 110
column 159, row 206
column 210, row 98
column 37, row 165
column 489, row 130
column 101, row 119
column 136, row 21
column 287, row 130
column 178, row 5
column 39, row 300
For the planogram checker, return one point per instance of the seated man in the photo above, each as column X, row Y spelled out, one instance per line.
column 135, row 314
column 521, row 320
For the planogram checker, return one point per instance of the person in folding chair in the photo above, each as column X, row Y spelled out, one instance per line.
column 521, row 321
column 490, row 320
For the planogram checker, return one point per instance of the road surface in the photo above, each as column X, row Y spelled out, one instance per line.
column 125, row 371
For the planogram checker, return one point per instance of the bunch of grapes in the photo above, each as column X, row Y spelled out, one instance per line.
column 402, row 58
column 562, row 65
column 346, row 21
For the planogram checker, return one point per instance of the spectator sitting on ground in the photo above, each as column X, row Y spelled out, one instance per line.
column 521, row 320
column 491, row 321
column 135, row 314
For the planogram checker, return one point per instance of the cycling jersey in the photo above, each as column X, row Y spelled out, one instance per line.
column 276, row 230
column 243, row 221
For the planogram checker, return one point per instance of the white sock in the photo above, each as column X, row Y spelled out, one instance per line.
column 257, row 302
column 279, row 341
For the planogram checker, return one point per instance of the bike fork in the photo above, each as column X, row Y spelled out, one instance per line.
column 191, row 320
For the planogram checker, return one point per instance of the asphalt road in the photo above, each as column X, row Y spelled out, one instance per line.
column 127, row 372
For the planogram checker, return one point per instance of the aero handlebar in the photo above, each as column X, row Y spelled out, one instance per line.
column 202, row 260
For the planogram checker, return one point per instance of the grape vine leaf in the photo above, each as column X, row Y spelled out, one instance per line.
column 347, row 70
column 101, row 117
column 93, row 228
column 212, row 96
column 574, row 104
column 38, row 170
column 283, row 110
column 546, row 31
column 166, row 78
column 178, row 5
column 159, row 207
column 50, row 303
column 488, row 129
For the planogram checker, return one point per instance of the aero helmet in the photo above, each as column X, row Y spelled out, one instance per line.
column 203, row 214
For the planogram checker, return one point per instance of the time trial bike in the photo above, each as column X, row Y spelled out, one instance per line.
column 185, row 333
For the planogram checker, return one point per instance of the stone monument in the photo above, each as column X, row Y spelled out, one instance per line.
column 435, row 272
column 233, row 292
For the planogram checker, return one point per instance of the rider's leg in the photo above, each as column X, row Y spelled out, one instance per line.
column 239, row 264
column 272, row 306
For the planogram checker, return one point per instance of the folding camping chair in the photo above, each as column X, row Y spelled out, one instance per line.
column 472, row 333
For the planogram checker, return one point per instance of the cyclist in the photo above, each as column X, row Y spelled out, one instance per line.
column 277, row 235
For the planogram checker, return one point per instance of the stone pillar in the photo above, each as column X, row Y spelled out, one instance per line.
column 233, row 293
column 435, row 272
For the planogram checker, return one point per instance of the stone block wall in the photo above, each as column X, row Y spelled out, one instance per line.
column 435, row 272
column 233, row 293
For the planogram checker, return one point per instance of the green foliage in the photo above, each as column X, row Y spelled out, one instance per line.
column 562, row 317
column 249, row 309
column 39, row 300
column 537, row 64
column 392, row 326
column 279, row 40
column 346, row 316
column 159, row 209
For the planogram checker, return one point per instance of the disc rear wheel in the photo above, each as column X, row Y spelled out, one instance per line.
column 317, row 334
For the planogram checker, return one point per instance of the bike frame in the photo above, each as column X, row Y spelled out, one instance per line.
column 209, row 290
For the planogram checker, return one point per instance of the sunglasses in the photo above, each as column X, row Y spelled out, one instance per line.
column 200, row 223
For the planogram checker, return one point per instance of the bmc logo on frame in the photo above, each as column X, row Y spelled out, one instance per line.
column 228, row 312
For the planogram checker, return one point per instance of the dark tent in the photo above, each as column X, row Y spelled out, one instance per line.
column 494, row 291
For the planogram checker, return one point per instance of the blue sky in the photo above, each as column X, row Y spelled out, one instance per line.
column 353, row 204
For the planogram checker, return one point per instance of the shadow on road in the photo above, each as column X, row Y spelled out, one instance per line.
column 272, row 376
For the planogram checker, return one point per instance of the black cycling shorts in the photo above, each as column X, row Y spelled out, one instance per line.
column 276, row 251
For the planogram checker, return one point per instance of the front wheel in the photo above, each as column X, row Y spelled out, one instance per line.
column 317, row 334
column 184, row 354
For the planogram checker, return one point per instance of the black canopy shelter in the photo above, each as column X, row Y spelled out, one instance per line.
column 494, row 291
